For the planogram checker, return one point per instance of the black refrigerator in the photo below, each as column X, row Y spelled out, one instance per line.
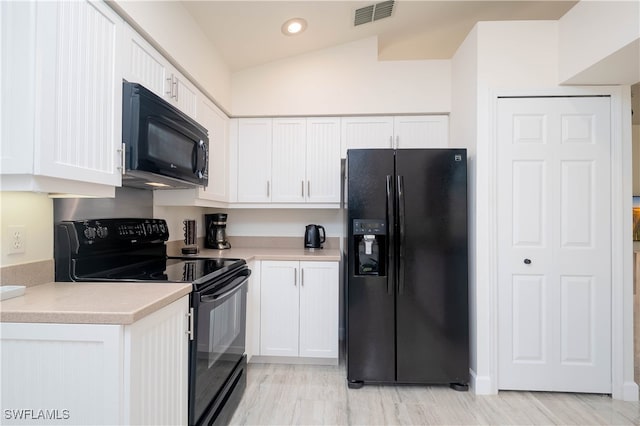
column 406, row 293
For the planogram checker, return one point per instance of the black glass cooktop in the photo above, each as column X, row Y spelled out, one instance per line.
column 169, row 270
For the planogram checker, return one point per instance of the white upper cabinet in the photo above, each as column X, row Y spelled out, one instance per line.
column 411, row 131
column 254, row 160
column 68, row 67
column 146, row 66
column 323, row 160
column 217, row 124
column 303, row 156
column 366, row 132
column 289, row 160
column 183, row 94
column 427, row 131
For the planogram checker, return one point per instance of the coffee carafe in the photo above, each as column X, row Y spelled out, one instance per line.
column 216, row 231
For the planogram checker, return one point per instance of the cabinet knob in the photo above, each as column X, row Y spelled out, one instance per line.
column 527, row 261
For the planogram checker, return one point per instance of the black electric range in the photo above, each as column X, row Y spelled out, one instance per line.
column 134, row 250
column 128, row 250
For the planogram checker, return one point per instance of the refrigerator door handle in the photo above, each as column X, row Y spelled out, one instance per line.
column 390, row 230
column 402, row 234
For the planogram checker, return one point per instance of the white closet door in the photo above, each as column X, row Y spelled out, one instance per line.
column 554, row 241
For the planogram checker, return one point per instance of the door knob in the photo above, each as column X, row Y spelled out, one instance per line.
column 527, row 261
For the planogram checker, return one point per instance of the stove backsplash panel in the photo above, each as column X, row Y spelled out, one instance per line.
column 128, row 202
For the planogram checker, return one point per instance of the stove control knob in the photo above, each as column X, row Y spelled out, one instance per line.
column 148, row 228
column 102, row 231
column 90, row 233
column 162, row 228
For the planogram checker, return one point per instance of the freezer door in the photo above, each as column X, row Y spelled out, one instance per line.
column 370, row 295
column 432, row 294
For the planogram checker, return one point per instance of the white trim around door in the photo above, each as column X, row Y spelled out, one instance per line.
column 623, row 386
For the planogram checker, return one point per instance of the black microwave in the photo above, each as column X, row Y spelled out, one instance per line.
column 164, row 147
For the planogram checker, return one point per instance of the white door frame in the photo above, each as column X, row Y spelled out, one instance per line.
column 623, row 386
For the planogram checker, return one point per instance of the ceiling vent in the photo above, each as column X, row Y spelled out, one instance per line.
column 373, row 12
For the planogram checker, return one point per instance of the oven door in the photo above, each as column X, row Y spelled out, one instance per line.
column 218, row 347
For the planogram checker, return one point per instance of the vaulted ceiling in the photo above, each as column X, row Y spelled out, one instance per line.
column 247, row 33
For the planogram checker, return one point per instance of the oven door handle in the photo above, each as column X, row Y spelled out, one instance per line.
column 224, row 291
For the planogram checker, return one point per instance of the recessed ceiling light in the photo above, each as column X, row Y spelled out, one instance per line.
column 294, row 26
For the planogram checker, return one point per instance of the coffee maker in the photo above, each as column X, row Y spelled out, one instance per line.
column 216, row 225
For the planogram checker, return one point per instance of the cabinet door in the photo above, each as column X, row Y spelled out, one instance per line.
column 75, row 369
column 254, row 160
column 288, row 161
column 184, row 94
column 426, row 131
column 279, row 305
column 323, row 160
column 80, row 102
column 158, row 365
column 144, row 65
column 217, row 124
column 253, row 310
column 366, row 132
column 319, row 309
column 17, row 69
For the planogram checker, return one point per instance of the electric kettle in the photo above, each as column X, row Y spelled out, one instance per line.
column 314, row 236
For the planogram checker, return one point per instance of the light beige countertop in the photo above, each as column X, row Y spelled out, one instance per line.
column 90, row 303
column 265, row 253
column 125, row 303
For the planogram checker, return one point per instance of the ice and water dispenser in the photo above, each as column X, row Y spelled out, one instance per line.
column 369, row 238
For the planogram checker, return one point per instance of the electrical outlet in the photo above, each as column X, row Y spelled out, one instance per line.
column 17, row 239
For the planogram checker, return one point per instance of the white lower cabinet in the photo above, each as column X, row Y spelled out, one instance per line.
column 299, row 309
column 97, row 373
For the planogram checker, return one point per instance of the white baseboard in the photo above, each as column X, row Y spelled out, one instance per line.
column 630, row 391
column 481, row 385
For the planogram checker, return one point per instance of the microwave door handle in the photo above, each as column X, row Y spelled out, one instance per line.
column 205, row 157
column 200, row 168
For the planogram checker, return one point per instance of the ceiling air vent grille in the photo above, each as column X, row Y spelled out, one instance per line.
column 373, row 12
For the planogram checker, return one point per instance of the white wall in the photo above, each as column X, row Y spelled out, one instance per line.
column 170, row 25
column 463, row 134
column 281, row 223
column 599, row 43
column 635, row 143
column 34, row 211
column 494, row 56
column 347, row 79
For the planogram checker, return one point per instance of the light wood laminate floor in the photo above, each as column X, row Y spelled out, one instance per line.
column 318, row 395
column 312, row 395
